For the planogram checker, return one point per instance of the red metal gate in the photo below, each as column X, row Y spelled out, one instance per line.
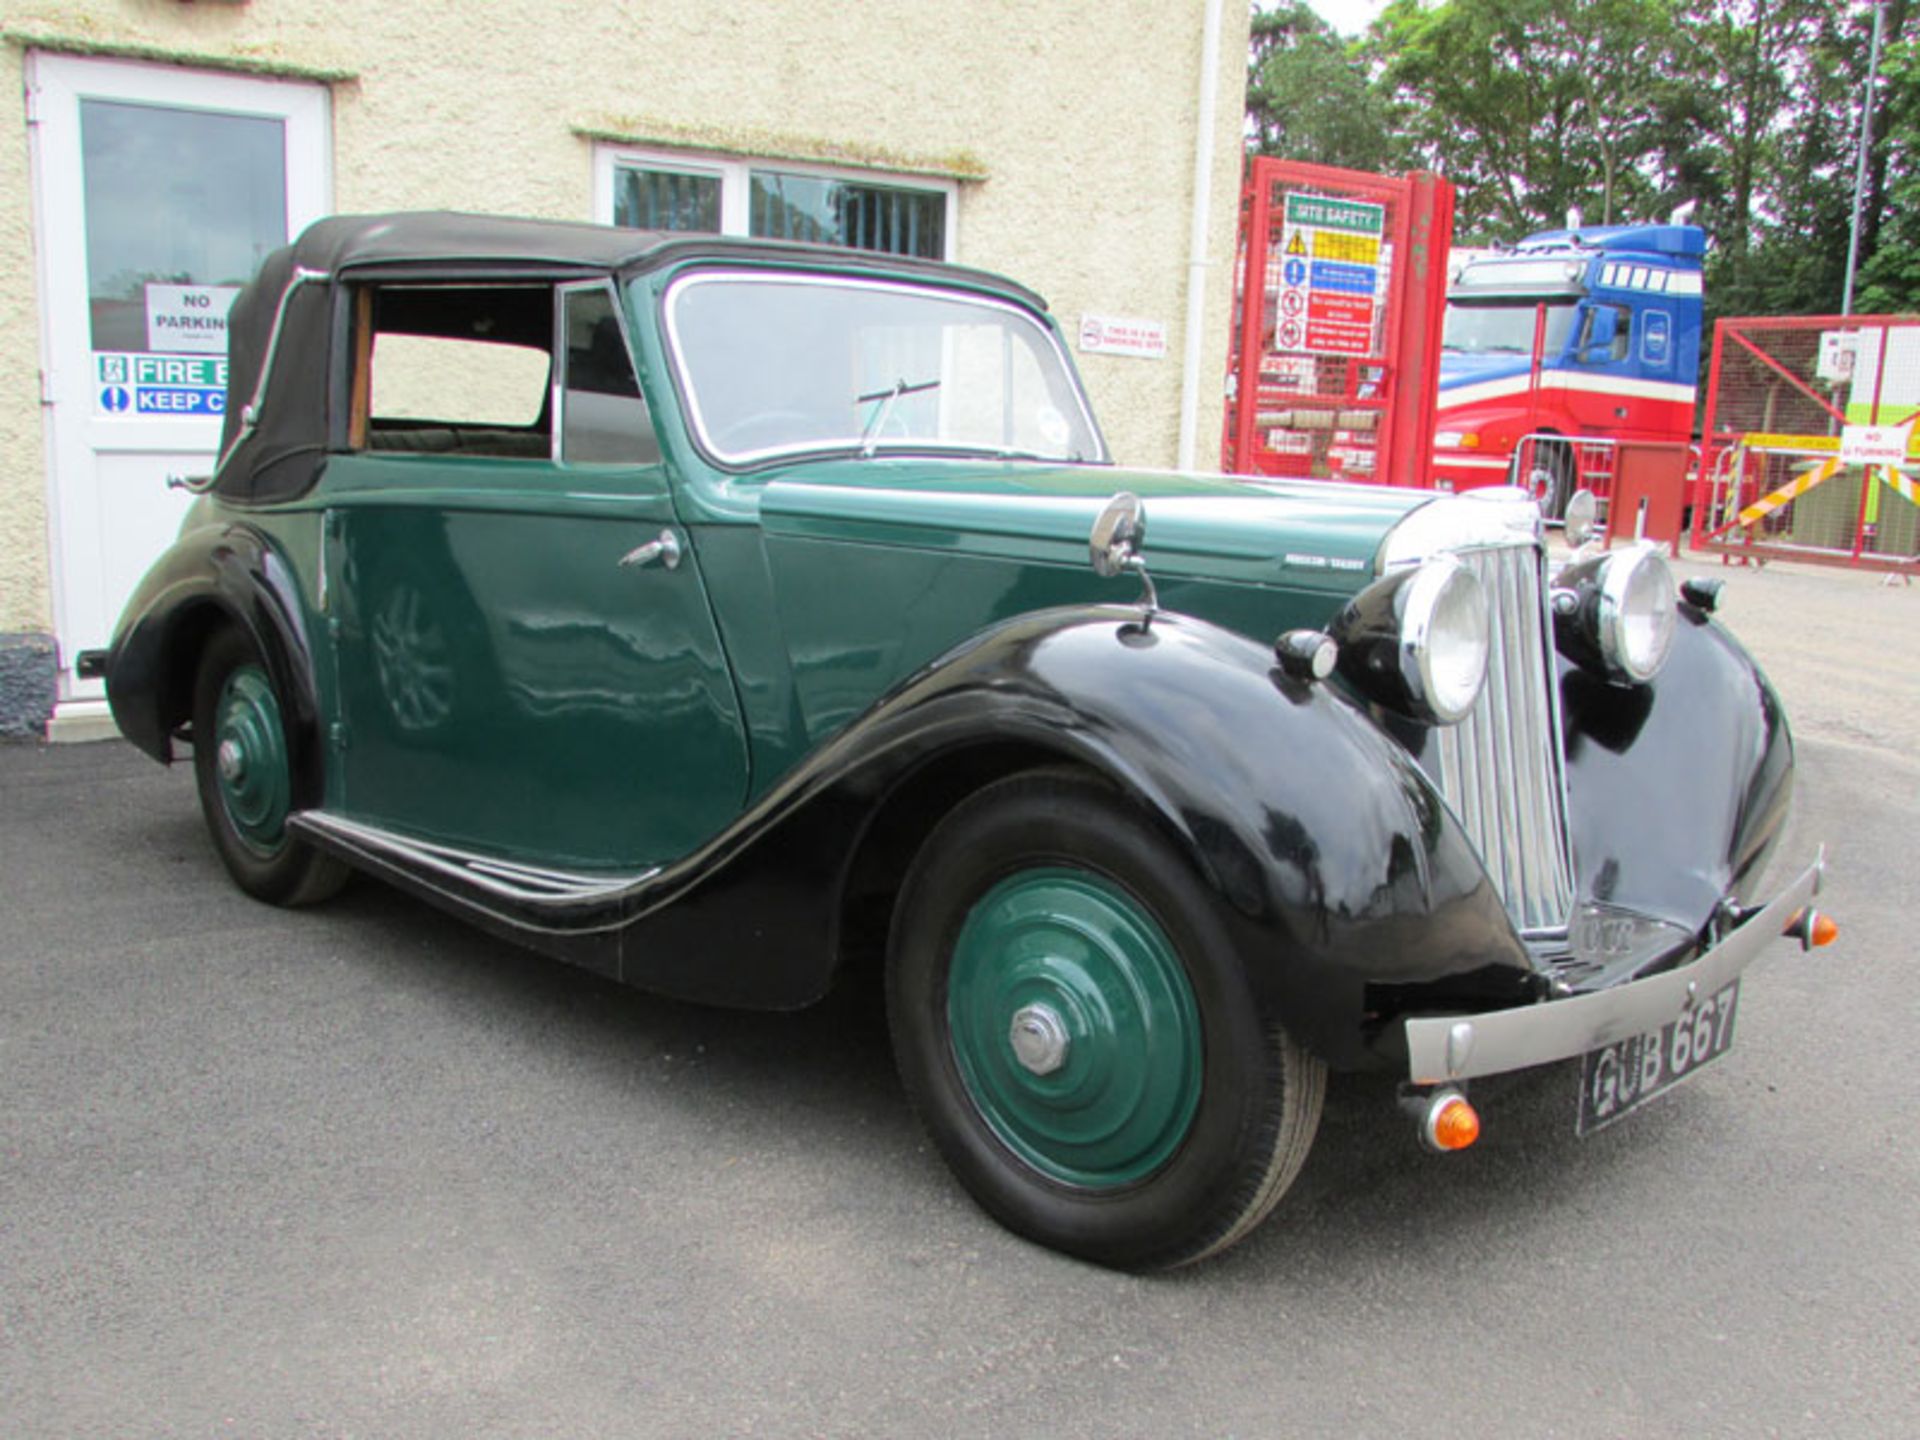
column 1340, row 296
column 1810, row 448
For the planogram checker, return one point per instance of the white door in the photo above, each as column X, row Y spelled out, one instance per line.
column 158, row 192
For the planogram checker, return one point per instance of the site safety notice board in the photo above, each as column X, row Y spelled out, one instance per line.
column 1329, row 275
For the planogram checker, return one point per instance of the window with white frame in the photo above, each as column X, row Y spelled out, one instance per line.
column 777, row 200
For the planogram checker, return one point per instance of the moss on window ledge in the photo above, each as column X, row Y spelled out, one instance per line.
column 262, row 64
column 747, row 141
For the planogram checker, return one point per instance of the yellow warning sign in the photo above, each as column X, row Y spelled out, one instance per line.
column 1334, row 245
column 1296, row 243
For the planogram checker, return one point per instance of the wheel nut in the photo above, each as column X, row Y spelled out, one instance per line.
column 1039, row 1039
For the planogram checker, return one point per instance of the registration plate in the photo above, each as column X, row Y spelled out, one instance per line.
column 1623, row 1076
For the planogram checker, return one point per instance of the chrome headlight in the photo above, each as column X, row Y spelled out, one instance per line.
column 1417, row 641
column 1581, row 518
column 1616, row 613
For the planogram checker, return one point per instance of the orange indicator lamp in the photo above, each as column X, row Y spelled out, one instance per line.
column 1450, row 1122
column 1812, row 928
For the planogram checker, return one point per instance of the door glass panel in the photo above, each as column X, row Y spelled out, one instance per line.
column 175, row 198
column 603, row 415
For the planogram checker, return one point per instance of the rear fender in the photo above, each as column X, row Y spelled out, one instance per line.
column 215, row 576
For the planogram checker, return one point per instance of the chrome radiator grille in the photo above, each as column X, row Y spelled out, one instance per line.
column 1500, row 768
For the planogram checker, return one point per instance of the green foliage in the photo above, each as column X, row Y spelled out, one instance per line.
column 1309, row 96
column 1889, row 282
column 1624, row 110
column 1532, row 107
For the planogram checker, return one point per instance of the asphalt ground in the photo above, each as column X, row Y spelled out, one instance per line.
column 361, row 1171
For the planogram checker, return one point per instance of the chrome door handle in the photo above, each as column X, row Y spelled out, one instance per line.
column 665, row 548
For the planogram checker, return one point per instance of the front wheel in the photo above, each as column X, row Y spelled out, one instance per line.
column 1080, row 1036
column 245, row 778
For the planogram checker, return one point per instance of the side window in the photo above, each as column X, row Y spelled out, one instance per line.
column 603, row 418
column 1622, row 343
column 453, row 369
column 718, row 194
column 645, row 198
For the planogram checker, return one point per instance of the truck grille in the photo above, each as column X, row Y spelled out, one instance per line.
column 1500, row 768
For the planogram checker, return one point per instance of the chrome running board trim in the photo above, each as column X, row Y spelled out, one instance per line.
column 507, row 879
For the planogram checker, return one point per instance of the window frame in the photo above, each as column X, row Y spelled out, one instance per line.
column 1620, row 349
column 742, row 464
column 734, row 174
column 361, row 331
column 558, row 404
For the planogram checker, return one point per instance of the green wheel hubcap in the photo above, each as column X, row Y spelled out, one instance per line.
column 1074, row 1027
column 250, row 759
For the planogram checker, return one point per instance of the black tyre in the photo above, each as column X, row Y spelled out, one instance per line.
column 1080, row 1037
column 242, row 769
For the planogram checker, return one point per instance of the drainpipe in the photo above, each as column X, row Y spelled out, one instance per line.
column 1197, row 261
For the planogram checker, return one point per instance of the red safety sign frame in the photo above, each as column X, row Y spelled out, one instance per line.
column 1339, row 305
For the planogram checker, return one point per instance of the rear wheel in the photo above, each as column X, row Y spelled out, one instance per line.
column 1078, row 1033
column 244, row 775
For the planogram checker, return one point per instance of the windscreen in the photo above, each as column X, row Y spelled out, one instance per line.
column 1488, row 329
column 778, row 364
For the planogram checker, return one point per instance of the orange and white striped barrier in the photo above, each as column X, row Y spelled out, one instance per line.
column 1788, row 493
column 1896, row 477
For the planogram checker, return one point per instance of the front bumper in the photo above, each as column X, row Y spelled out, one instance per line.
column 1460, row 1047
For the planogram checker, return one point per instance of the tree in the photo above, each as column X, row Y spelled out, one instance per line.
column 1531, row 107
column 1309, row 96
column 1748, row 110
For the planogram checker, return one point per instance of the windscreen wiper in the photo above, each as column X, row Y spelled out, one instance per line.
column 870, row 436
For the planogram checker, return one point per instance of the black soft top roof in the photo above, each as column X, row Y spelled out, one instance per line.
column 346, row 242
column 282, row 321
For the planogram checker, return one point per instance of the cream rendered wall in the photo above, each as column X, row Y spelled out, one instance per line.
column 26, row 603
column 1077, row 113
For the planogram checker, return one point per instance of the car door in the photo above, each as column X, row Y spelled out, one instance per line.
column 1600, row 384
column 526, row 663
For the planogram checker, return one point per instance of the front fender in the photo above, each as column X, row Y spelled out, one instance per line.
column 1337, row 863
column 213, row 575
column 1678, row 789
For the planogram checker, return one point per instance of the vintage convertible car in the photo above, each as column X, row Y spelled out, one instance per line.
column 723, row 615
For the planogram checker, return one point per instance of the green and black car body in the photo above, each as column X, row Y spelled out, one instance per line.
column 769, row 641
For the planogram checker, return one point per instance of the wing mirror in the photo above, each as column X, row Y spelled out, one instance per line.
column 1119, row 531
